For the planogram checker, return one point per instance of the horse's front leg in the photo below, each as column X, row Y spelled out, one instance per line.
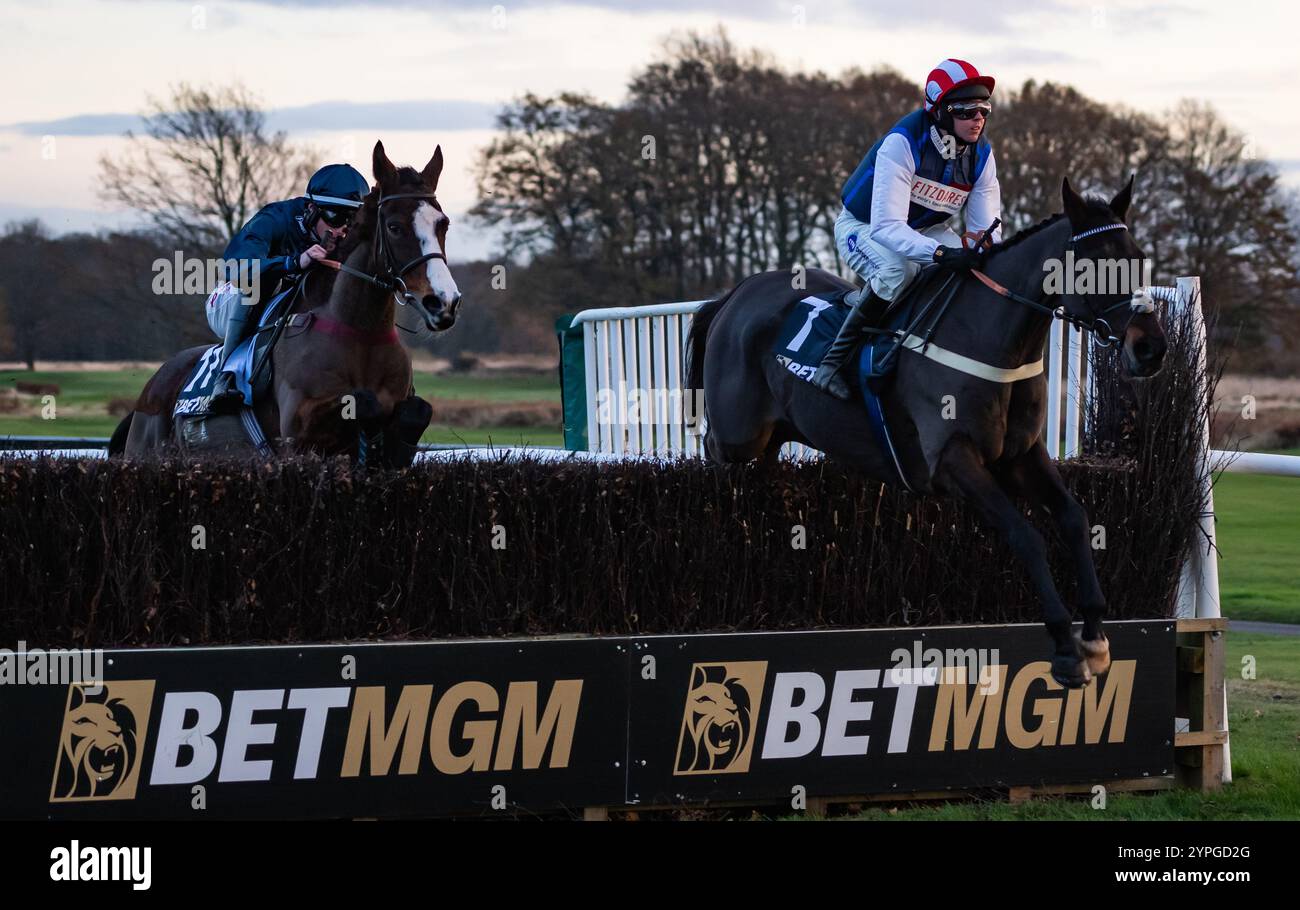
column 961, row 470
column 370, row 417
column 317, row 424
column 1037, row 475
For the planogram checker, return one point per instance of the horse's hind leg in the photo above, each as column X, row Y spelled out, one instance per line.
column 1038, row 477
column 962, row 471
column 734, row 447
column 147, row 434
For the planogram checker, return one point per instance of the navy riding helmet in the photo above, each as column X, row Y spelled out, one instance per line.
column 337, row 186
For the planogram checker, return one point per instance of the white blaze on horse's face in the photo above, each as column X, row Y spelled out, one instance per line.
column 426, row 222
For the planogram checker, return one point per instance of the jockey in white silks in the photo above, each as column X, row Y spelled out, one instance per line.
column 905, row 204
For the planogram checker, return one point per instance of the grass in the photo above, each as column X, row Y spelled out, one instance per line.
column 83, row 389
column 81, row 407
column 501, row 387
column 1264, row 722
column 1258, row 531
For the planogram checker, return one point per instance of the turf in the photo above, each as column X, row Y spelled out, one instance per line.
column 81, row 406
column 1258, row 532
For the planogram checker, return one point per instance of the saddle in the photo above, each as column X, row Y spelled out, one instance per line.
column 250, row 363
column 813, row 322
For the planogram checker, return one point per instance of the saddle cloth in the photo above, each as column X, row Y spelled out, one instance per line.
column 195, row 397
column 811, row 326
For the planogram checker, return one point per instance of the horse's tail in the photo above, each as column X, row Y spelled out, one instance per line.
column 695, row 342
column 117, row 442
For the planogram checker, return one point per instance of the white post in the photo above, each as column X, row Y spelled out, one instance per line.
column 600, row 438
column 589, row 356
column 1199, row 583
column 1055, row 353
column 1073, row 391
column 1207, row 573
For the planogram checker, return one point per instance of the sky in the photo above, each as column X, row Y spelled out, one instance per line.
column 418, row 73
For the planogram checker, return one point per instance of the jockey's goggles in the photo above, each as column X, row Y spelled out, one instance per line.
column 336, row 218
column 966, row 110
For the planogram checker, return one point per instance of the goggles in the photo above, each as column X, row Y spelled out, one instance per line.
column 336, row 218
column 966, row 110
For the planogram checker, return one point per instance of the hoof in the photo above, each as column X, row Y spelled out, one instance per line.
column 1071, row 671
column 1096, row 653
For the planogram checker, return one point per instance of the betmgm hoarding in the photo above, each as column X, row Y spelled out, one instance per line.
column 525, row 726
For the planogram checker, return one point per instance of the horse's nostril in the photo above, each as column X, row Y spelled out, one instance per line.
column 1147, row 350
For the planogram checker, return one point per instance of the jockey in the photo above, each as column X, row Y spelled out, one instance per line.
column 284, row 238
column 904, row 205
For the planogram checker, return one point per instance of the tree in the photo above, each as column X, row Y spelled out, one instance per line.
column 6, row 333
column 203, row 166
column 28, row 262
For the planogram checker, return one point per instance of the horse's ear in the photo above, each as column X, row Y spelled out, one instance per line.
column 1075, row 208
column 433, row 170
column 385, row 171
column 1119, row 205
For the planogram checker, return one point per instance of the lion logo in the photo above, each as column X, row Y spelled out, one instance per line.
column 717, row 734
column 99, row 748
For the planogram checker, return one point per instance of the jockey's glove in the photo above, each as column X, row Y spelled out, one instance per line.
column 958, row 259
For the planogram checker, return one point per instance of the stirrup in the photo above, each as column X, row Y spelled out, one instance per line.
column 834, row 384
column 226, row 397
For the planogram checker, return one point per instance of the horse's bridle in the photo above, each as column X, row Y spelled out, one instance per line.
column 1139, row 302
column 391, row 279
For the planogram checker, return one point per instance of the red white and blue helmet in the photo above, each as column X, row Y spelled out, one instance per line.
column 952, row 75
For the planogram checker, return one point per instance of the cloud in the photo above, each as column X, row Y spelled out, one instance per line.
column 1026, row 56
column 896, row 13
column 323, row 116
column 79, row 125
column 386, row 115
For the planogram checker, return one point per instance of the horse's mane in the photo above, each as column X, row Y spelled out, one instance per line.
column 1095, row 205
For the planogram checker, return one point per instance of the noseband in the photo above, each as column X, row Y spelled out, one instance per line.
column 1139, row 302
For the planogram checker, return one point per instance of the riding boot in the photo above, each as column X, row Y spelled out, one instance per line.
column 226, row 397
column 861, row 312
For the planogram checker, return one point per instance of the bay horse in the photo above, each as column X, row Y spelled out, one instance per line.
column 338, row 379
column 955, row 432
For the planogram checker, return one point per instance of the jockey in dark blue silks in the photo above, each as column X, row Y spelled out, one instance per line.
column 905, row 204
column 283, row 239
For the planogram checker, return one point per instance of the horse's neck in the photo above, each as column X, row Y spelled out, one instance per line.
column 359, row 303
column 1005, row 332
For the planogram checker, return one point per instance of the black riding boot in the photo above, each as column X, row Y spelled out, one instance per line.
column 226, row 397
column 863, row 310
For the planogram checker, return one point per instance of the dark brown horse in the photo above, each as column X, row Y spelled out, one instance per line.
column 955, row 432
column 341, row 381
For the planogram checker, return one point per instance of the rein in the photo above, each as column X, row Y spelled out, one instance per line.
column 391, row 279
column 1140, row 302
